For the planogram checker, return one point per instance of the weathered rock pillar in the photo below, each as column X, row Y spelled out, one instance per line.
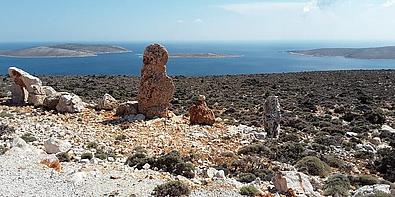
column 272, row 117
column 156, row 88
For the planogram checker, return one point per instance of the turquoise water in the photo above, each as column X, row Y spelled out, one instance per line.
column 258, row 57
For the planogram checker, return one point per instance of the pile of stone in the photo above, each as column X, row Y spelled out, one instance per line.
column 28, row 89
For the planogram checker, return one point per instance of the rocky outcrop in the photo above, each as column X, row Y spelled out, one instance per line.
column 272, row 117
column 69, row 103
column 156, row 88
column 107, row 103
column 24, row 87
column 296, row 181
column 127, row 108
column 371, row 190
column 200, row 114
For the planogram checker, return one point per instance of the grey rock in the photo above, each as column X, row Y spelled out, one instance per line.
column 53, row 146
column 272, row 117
column 70, row 103
column 19, row 142
column 296, row 181
column 372, row 189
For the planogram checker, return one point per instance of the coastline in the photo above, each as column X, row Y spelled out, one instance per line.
column 77, row 56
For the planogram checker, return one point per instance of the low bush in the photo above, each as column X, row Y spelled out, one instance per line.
column 3, row 149
column 333, row 161
column 379, row 194
column 87, row 156
column 172, row 188
column 171, row 162
column 246, row 177
column 337, row 185
column 249, row 190
column 28, row 137
column 385, row 163
column 313, row 166
column 64, row 157
column 364, row 180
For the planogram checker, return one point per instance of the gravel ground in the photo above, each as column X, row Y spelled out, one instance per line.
column 22, row 175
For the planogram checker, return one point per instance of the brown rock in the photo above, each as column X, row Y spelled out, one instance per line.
column 51, row 161
column 127, row 108
column 156, row 88
column 199, row 113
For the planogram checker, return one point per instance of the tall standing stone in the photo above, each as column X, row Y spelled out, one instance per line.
column 156, row 88
column 272, row 117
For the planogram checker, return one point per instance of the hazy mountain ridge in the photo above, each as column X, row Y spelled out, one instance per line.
column 387, row 52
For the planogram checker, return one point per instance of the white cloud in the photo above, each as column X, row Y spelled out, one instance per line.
column 180, row 21
column 198, row 20
column 388, row 3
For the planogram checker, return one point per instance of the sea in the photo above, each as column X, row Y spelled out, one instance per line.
column 254, row 58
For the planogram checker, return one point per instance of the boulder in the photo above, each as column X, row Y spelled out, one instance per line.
column 50, row 102
column 37, row 96
column 127, row 108
column 53, row 146
column 51, row 161
column 297, row 181
column 272, row 117
column 22, row 85
column 69, row 103
column 371, row 190
column 19, row 142
column 156, row 88
column 107, row 103
column 200, row 114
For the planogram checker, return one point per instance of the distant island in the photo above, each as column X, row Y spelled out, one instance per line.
column 387, row 52
column 202, row 55
column 64, row 50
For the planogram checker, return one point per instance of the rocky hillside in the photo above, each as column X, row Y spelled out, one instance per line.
column 337, row 138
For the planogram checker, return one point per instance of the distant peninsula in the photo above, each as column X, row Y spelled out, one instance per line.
column 64, row 50
column 203, row 55
column 387, row 52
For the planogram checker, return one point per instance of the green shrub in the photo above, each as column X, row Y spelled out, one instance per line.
column 101, row 154
column 121, row 137
column 246, row 177
column 171, row 162
column 289, row 152
column 64, row 157
column 333, row 161
column 28, row 137
column 385, row 163
column 379, row 194
column 337, row 185
column 87, row 156
column 91, row 145
column 364, row 180
column 313, row 166
column 3, row 150
column 172, row 188
column 257, row 148
column 249, row 190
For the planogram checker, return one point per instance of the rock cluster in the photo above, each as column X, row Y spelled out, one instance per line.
column 199, row 113
column 156, row 88
column 272, row 117
column 296, row 181
column 26, row 88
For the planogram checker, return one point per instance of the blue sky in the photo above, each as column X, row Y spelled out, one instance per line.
column 196, row 20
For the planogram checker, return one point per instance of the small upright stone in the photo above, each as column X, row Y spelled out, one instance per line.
column 200, row 114
column 127, row 108
column 156, row 88
column 272, row 117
